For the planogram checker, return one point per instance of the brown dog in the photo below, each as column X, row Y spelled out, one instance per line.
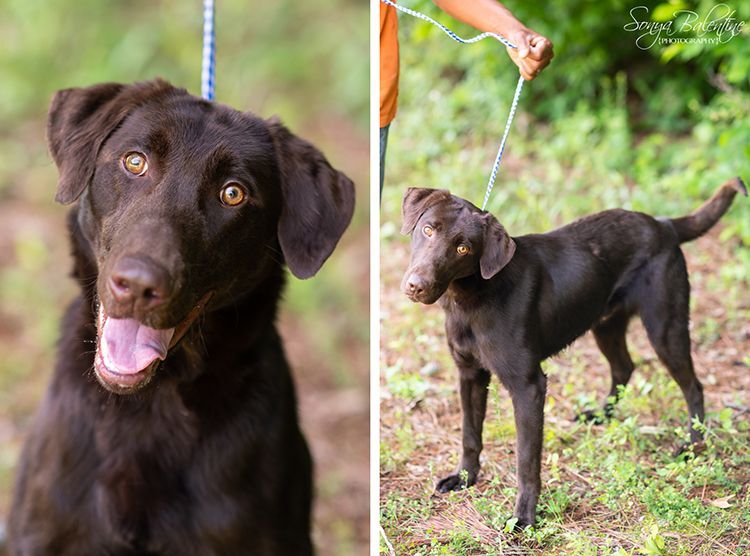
column 511, row 303
column 170, row 426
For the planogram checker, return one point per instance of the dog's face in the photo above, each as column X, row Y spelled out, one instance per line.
column 184, row 203
column 451, row 239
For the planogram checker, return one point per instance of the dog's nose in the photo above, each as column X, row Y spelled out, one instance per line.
column 415, row 284
column 138, row 282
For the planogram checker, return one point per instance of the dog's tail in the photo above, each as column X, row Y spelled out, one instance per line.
column 698, row 223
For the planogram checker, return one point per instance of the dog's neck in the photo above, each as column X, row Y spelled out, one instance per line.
column 243, row 323
column 464, row 291
column 470, row 290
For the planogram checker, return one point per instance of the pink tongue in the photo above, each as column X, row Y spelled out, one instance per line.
column 129, row 347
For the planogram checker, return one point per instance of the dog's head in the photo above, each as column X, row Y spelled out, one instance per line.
column 182, row 203
column 450, row 239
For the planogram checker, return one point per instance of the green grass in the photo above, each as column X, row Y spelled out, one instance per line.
column 606, row 488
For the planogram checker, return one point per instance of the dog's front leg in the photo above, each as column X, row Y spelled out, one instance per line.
column 473, row 385
column 528, row 393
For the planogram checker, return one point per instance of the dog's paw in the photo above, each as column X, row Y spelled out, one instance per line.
column 456, row 481
column 522, row 523
column 516, row 525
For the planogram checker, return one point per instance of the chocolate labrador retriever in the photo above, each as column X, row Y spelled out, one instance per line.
column 170, row 425
column 511, row 303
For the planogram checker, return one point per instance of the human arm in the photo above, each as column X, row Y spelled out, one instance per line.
column 534, row 51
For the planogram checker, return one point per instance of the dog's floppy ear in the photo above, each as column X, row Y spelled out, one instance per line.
column 416, row 201
column 318, row 202
column 498, row 248
column 79, row 122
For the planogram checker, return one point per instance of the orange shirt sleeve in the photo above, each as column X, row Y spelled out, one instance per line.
column 388, row 63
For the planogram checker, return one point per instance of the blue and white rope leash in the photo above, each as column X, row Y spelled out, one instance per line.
column 516, row 97
column 209, row 47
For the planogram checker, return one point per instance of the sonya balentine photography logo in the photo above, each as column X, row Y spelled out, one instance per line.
column 666, row 26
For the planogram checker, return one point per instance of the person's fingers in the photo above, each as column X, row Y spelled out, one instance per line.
column 531, row 68
column 527, row 72
column 525, row 66
column 537, row 41
column 540, row 48
column 539, row 65
column 532, row 53
column 513, row 55
column 521, row 41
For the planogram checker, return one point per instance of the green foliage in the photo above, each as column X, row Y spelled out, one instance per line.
column 590, row 42
column 266, row 52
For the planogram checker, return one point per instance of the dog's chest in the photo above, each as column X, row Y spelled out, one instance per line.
column 143, row 471
column 463, row 341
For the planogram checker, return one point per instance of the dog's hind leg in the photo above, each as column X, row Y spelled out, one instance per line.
column 610, row 337
column 665, row 316
column 474, row 383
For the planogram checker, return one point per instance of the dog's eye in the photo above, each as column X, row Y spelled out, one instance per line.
column 135, row 163
column 428, row 231
column 463, row 249
column 232, row 195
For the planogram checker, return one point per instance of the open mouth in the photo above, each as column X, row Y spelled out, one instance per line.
column 128, row 352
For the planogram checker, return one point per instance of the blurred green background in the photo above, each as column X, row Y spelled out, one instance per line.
column 610, row 123
column 605, row 125
column 306, row 61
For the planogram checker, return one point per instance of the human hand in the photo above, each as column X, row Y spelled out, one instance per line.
column 533, row 54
